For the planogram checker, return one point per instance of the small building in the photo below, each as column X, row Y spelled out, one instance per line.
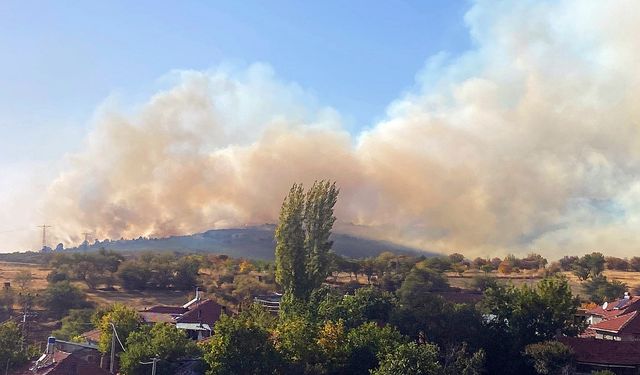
column 620, row 357
column 610, row 310
column 197, row 317
column 65, row 358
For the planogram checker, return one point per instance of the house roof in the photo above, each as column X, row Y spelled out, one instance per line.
column 607, row 352
column 163, row 309
column 66, row 364
column 627, row 306
column 207, row 311
column 92, row 336
column 626, row 323
column 154, row 317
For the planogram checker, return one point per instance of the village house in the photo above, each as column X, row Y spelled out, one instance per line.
column 197, row 317
column 65, row 358
column 611, row 340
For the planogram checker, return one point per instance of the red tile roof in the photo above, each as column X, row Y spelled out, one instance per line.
column 608, row 352
column 627, row 323
column 66, row 364
column 633, row 304
column 92, row 336
column 207, row 311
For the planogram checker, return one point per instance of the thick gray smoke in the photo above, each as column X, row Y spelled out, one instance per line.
column 528, row 142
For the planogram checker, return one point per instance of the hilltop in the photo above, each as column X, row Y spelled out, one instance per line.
column 255, row 242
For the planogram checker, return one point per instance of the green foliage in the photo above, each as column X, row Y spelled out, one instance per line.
column 186, row 273
column 419, row 285
column 11, row 350
column 134, row 275
column 603, row 372
column 92, row 268
column 295, row 339
column 302, row 238
column 7, row 298
column 550, row 357
column 599, row 289
column 125, row 320
column 63, row 296
column 74, row 324
column 484, row 282
column 242, row 345
column 459, row 361
column 439, row 264
column 23, row 278
column 369, row 342
column 163, row 341
column 526, row 315
column 410, row 358
column 590, row 265
column 246, row 287
column 367, row 304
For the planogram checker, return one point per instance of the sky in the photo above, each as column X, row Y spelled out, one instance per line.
column 63, row 59
column 481, row 127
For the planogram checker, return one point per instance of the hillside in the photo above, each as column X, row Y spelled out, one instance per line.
column 250, row 242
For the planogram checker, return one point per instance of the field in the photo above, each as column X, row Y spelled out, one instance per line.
column 141, row 299
column 632, row 279
column 39, row 273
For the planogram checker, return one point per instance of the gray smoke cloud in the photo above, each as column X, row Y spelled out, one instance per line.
column 530, row 141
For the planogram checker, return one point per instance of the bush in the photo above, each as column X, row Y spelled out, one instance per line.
column 63, row 296
column 550, row 357
column 134, row 275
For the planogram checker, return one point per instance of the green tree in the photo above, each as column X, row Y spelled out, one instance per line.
column 23, row 278
column 134, row 275
column 242, row 346
column 369, row 342
column 295, row 338
column 590, row 265
column 523, row 316
column 186, row 273
column 599, row 289
column 551, row 357
column 11, row 348
column 302, row 238
column 124, row 319
column 420, row 284
column 410, row 358
column 459, row 361
column 63, row 296
column 367, row 304
column 163, row 341
column 75, row 323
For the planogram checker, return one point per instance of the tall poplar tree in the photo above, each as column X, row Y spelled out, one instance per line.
column 302, row 238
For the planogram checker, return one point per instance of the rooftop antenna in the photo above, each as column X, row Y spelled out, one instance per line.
column 44, row 234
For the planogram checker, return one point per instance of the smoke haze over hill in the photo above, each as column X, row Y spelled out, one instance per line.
column 530, row 141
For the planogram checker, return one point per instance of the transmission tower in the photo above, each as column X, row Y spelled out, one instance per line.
column 44, row 234
column 85, row 244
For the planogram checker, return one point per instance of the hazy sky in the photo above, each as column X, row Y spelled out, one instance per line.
column 61, row 59
column 486, row 127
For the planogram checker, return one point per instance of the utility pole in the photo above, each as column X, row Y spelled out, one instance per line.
column 113, row 353
column 44, row 234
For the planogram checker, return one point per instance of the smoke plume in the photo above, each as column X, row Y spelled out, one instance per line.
column 527, row 142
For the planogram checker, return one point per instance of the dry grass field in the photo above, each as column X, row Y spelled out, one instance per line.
column 9, row 270
column 39, row 273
